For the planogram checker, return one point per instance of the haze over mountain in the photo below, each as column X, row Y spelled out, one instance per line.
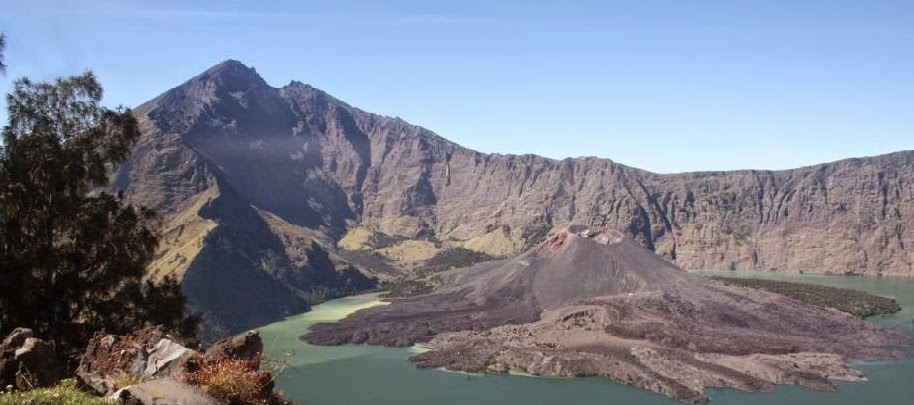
column 258, row 183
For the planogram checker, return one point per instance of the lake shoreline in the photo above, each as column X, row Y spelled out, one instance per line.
column 323, row 375
column 744, row 273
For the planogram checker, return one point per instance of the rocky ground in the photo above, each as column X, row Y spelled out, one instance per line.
column 148, row 367
column 592, row 303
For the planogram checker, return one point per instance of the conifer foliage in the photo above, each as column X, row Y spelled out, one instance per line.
column 72, row 258
column 2, row 47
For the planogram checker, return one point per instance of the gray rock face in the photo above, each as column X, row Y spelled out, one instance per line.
column 246, row 347
column 162, row 371
column 258, row 182
column 163, row 391
column 27, row 362
column 244, row 236
column 148, row 353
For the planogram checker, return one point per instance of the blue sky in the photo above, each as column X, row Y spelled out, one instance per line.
column 666, row 86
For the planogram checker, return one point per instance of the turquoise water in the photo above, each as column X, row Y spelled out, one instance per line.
column 377, row 375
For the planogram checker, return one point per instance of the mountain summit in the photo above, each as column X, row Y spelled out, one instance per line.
column 275, row 198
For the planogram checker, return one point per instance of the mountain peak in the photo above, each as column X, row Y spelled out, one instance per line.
column 296, row 83
column 177, row 109
column 230, row 65
column 232, row 73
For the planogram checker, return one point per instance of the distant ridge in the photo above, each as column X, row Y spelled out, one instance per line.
column 259, row 183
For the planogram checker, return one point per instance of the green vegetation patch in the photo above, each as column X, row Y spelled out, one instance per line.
column 857, row 303
column 455, row 259
column 410, row 288
column 368, row 259
column 535, row 235
column 64, row 394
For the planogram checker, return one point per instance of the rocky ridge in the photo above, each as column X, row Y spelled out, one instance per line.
column 258, row 183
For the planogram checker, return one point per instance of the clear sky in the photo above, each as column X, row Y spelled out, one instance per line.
column 666, row 86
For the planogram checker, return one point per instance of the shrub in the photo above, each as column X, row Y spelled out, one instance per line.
column 235, row 381
column 454, row 258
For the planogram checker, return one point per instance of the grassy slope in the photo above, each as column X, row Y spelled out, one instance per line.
column 64, row 394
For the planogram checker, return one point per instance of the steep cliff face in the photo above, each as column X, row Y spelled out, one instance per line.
column 258, row 183
column 217, row 159
column 848, row 216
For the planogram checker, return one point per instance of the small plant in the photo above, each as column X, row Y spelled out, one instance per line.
column 233, row 380
column 276, row 366
column 123, row 380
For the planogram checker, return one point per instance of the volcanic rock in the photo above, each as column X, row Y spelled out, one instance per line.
column 257, row 183
column 247, row 347
column 162, row 368
column 164, row 391
column 27, row 362
column 588, row 302
column 146, row 354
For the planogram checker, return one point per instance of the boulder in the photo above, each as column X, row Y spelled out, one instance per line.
column 27, row 362
column 163, row 391
column 16, row 338
column 168, row 372
column 247, row 346
column 167, row 358
column 146, row 354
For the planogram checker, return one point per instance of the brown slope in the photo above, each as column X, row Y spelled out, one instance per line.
column 848, row 216
column 320, row 163
column 599, row 304
column 565, row 269
column 319, row 166
column 240, row 266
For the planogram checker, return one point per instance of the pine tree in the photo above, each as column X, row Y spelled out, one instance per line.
column 2, row 47
column 72, row 257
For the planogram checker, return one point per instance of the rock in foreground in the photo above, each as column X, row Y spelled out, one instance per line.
column 589, row 303
column 27, row 362
column 149, row 367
